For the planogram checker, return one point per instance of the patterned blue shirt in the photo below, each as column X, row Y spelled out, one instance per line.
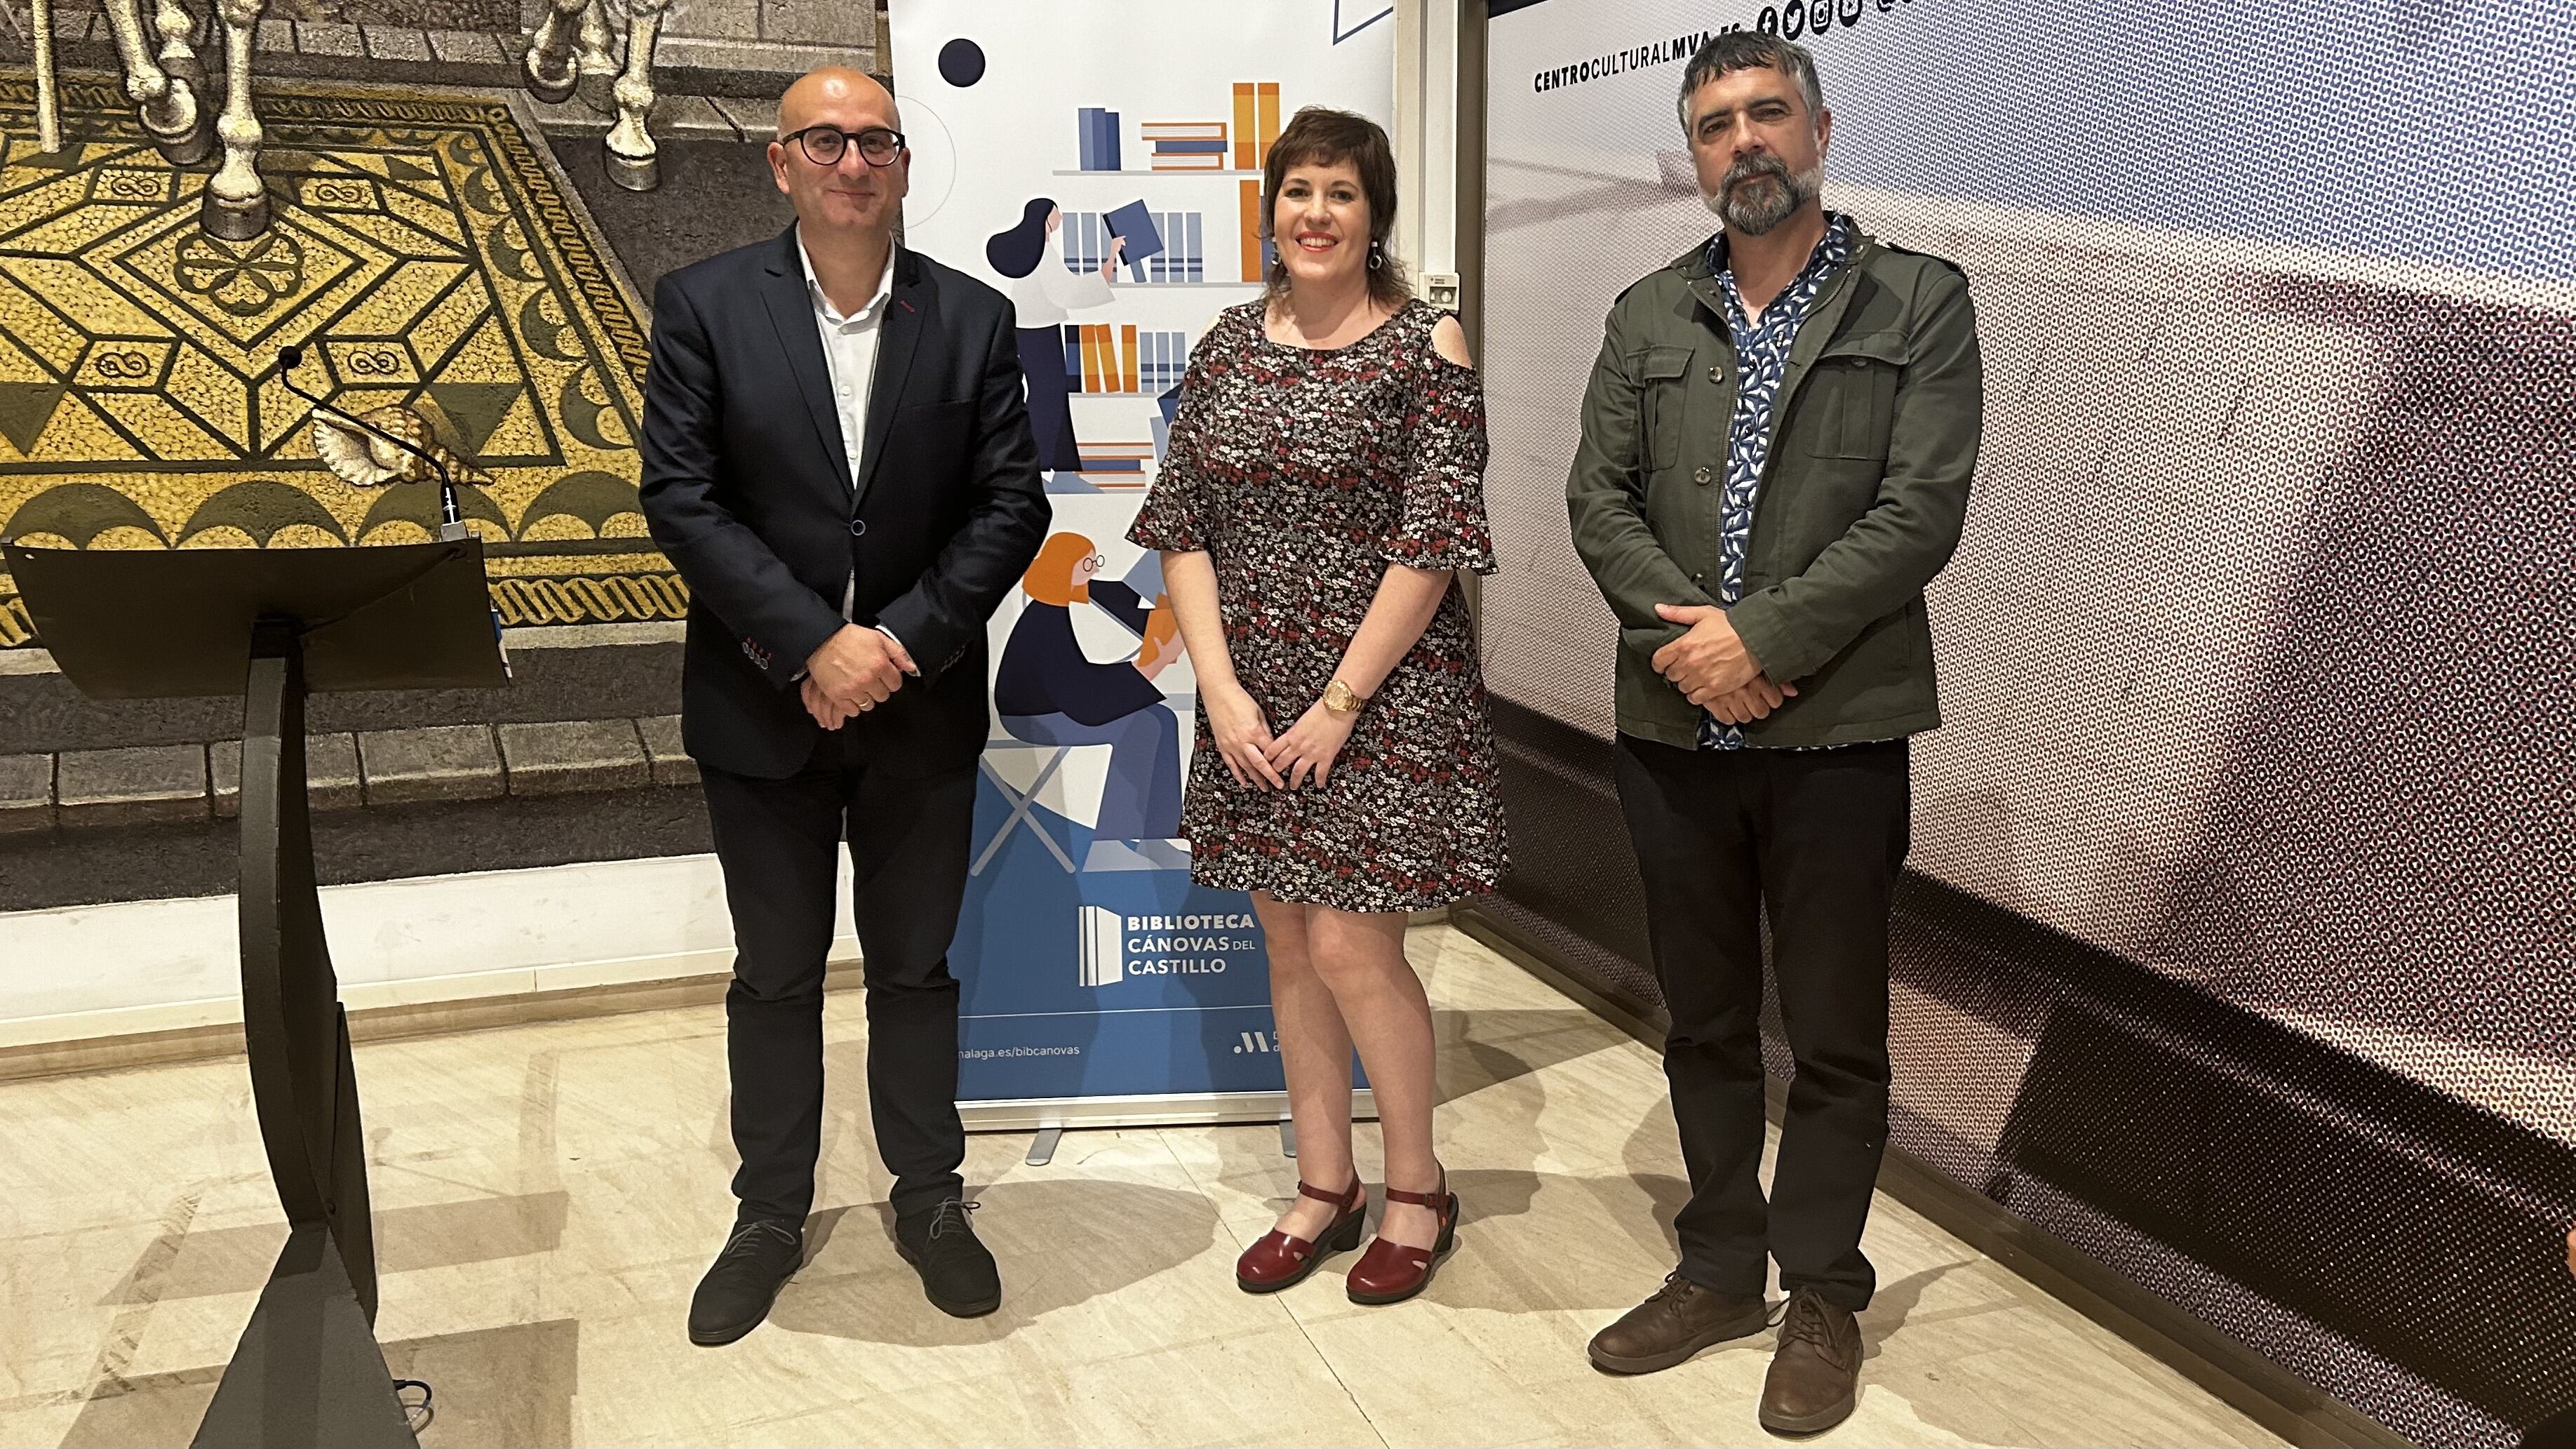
column 1761, row 356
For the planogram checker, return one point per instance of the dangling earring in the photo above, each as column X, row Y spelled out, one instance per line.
column 1377, row 254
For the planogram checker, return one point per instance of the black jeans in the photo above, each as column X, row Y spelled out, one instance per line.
column 777, row 841
column 1814, row 840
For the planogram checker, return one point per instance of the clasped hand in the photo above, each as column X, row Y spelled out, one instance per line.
column 1255, row 757
column 1713, row 669
column 856, row 670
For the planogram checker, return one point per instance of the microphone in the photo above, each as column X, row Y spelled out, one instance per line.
column 451, row 526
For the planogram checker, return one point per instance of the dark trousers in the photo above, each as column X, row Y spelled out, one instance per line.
column 1813, row 839
column 778, row 842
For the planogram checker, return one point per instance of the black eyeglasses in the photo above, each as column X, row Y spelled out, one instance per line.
column 826, row 145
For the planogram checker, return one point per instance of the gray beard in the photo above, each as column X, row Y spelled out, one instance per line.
column 1779, row 202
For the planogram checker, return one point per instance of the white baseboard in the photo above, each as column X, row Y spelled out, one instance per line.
column 81, row 973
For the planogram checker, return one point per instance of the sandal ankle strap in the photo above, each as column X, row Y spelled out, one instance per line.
column 1342, row 1199
column 1438, row 1198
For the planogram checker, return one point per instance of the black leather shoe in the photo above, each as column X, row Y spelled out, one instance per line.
column 957, row 1272
column 735, row 1295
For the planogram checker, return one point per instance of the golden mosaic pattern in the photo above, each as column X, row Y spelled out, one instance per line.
column 422, row 254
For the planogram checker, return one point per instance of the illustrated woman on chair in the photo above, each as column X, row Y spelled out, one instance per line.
column 1049, row 692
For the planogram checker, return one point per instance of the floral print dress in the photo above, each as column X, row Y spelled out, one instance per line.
column 1303, row 473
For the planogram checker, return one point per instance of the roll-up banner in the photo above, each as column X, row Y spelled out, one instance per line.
column 1099, row 161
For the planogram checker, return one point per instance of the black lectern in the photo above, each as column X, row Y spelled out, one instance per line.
column 275, row 625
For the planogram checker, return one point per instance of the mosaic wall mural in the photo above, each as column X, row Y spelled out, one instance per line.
column 424, row 255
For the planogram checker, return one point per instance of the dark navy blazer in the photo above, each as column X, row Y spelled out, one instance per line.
column 748, row 489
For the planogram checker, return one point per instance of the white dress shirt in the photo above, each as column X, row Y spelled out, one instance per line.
column 849, row 350
column 850, row 357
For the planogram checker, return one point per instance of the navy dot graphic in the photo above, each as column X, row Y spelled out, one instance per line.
column 961, row 62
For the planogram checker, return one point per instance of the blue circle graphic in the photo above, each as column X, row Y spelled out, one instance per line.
column 961, row 62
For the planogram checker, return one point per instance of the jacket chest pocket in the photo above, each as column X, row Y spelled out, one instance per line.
column 1665, row 372
column 1854, row 387
column 938, row 431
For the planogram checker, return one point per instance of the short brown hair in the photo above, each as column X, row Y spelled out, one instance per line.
column 1319, row 136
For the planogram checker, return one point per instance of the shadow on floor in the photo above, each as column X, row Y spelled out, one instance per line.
column 510, row 1386
column 212, row 1262
column 1060, row 1242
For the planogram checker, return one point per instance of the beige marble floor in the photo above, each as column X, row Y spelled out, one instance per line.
column 548, row 1194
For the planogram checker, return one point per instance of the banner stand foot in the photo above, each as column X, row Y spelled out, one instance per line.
column 1042, row 1146
column 1287, row 1139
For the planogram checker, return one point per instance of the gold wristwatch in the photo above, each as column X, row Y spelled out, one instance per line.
column 1340, row 698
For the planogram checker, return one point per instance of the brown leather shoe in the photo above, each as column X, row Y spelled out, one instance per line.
column 1681, row 1319
column 1815, row 1374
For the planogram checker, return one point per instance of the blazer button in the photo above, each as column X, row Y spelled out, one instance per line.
column 859, row 527
column 1713, row 374
column 1700, row 476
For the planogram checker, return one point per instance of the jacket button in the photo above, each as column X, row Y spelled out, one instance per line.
column 1713, row 374
column 858, row 528
column 1698, row 579
column 1700, row 475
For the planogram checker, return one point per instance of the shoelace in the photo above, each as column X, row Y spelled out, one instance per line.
column 1806, row 1320
column 953, row 1213
column 1675, row 1289
column 745, row 1240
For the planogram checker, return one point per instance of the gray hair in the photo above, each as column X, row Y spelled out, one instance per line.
column 1730, row 51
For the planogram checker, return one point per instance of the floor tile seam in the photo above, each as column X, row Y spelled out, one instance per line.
column 2024, row 1432
column 1334, row 1369
column 2200, row 1409
column 1207, row 1190
column 731, row 1429
column 1058, row 1373
column 1444, row 1323
column 38, row 1400
column 1164, row 1134
column 1907, row 1333
column 118, row 1385
column 857, row 1393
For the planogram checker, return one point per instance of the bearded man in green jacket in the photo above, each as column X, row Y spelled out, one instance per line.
column 1776, row 447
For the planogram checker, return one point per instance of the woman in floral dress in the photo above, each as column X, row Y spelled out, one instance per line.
column 1323, row 488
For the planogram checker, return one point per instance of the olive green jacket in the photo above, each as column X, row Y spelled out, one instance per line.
column 1863, row 493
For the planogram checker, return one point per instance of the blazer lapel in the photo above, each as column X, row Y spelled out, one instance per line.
column 897, row 339
column 791, row 311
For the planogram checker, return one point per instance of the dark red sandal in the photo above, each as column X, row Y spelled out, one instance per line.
column 1391, row 1272
column 1280, row 1261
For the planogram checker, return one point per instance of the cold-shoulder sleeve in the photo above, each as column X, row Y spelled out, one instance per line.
column 1442, row 524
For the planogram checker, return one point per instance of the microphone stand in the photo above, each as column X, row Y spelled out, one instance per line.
column 451, row 526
